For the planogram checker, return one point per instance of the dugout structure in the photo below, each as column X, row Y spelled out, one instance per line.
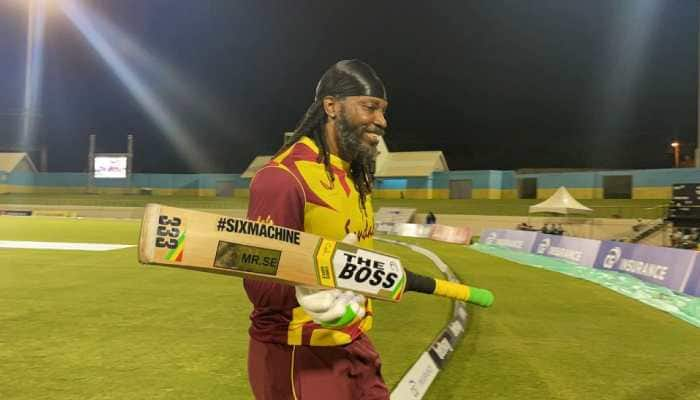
column 14, row 163
column 406, row 174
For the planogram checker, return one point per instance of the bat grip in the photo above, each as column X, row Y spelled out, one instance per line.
column 423, row 284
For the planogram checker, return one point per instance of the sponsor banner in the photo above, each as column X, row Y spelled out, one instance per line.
column 693, row 284
column 417, row 380
column 16, row 213
column 442, row 347
column 660, row 265
column 451, row 234
column 460, row 312
column 456, row 329
column 384, row 227
column 366, row 271
column 394, row 214
column 577, row 250
column 412, row 230
column 512, row 239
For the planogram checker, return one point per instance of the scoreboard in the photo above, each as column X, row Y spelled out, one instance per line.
column 685, row 203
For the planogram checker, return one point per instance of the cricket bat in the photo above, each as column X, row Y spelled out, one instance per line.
column 256, row 250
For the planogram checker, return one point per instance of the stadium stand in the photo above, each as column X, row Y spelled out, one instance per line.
column 386, row 217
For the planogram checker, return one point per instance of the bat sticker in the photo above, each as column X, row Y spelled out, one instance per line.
column 365, row 271
column 240, row 257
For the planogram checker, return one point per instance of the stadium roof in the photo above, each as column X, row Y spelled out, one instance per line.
column 412, row 163
column 10, row 162
column 254, row 166
column 396, row 164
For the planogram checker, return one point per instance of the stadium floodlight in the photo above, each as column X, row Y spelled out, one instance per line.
column 164, row 77
column 631, row 33
column 33, row 68
column 676, row 153
column 88, row 24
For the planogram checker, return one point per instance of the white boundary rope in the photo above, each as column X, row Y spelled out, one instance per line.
column 416, row 381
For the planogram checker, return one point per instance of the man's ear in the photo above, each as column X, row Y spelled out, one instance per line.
column 330, row 106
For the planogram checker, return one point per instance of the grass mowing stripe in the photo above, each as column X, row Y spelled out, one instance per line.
column 53, row 229
column 88, row 326
column 602, row 208
column 549, row 336
column 100, row 325
column 93, row 325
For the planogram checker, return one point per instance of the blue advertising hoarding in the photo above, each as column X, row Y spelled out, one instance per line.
column 577, row 250
column 659, row 265
column 676, row 269
column 514, row 240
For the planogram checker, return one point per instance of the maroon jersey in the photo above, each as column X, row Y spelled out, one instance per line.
column 294, row 190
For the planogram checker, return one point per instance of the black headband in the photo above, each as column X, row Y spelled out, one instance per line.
column 350, row 78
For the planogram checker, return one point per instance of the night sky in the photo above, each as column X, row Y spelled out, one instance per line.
column 493, row 84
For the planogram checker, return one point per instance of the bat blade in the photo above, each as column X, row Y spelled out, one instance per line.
column 219, row 244
column 213, row 243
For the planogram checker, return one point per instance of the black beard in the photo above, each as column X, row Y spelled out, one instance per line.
column 350, row 145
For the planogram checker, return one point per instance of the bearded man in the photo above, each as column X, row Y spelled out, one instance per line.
column 311, row 344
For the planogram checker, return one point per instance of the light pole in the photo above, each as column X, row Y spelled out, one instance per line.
column 33, row 68
column 697, row 146
column 676, row 153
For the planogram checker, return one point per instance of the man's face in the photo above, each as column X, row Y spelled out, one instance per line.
column 360, row 123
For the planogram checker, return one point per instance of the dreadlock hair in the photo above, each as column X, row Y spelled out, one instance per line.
column 312, row 126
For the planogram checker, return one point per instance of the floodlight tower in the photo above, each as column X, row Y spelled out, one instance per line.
column 91, row 162
column 129, row 159
column 697, row 47
column 129, row 153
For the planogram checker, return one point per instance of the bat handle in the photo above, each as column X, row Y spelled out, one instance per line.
column 423, row 284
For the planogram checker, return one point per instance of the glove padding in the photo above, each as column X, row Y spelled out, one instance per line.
column 332, row 308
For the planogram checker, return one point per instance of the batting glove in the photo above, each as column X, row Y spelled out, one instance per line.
column 332, row 308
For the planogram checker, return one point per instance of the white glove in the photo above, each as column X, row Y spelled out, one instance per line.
column 332, row 308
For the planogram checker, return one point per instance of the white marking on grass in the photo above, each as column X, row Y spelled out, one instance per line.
column 19, row 244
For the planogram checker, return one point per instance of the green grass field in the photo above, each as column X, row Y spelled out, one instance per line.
column 602, row 208
column 97, row 325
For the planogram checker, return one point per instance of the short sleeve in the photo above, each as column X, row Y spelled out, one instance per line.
column 276, row 194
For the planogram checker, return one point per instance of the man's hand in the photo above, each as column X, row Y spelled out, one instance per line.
column 332, row 308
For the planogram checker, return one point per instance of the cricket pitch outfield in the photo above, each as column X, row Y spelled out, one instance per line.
column 97, row 325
